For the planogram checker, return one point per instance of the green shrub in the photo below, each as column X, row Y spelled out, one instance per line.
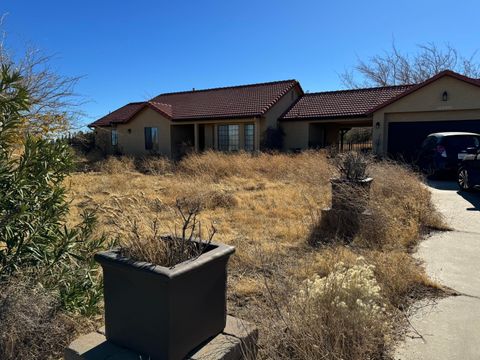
column 33, row 208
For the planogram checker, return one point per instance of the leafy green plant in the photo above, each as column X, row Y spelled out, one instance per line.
column 33, row 235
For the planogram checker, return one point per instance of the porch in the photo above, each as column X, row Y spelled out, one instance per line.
column 221, row 136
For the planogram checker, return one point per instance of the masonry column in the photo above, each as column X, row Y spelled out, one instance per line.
column 196, row 136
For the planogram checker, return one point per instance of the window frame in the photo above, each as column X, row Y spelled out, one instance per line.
column 151, row 134
column 114, row 137
column 249, row 137
column 228, row 136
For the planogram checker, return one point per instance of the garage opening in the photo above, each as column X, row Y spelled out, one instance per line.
column 405, row 138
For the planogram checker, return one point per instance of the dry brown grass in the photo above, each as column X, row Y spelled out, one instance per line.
column 266, row 205
column 31, row 325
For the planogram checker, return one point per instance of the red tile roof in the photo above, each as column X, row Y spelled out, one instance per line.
column 120, row 115
column 343, row 103
column 218, row 103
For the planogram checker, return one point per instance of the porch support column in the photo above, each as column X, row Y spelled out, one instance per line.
column 196, row 136
column 257, row 134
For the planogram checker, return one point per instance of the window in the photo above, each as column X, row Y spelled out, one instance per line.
column 151, row 138
column 228, row 137
column 114, row 137
column 249, row 134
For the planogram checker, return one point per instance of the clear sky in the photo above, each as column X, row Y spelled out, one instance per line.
column 133, row 50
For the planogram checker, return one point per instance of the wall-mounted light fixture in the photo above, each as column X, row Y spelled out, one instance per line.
column 377, row 125
column 129, row 131
column 445, row 96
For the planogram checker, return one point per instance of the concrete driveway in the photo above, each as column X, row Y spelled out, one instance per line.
column 451, row 327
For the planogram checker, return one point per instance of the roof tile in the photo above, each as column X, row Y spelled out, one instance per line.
column 357, row 102
column 226, row 102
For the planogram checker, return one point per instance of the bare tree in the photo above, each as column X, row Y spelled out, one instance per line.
column 394, row 67
column 55, row 107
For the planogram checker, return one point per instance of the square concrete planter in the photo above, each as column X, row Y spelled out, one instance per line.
column 164, row 313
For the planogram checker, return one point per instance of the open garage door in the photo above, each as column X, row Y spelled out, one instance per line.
column 405, row 138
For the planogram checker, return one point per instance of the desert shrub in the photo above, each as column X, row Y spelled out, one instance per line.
column 272, row 139
column 352, row 165
column 401, row 277
column 219, row 199
column 115, row 165
column 187, row 243
column 357, row 135
column 32, row 323
column 33, row 207
column 399, row 209
column 83, row 142
column 154, row 165
column 330, row 317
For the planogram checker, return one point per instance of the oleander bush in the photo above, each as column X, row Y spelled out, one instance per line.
column 47, row 274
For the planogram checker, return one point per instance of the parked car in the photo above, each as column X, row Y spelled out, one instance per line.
column 442, row 153
column 469, row 171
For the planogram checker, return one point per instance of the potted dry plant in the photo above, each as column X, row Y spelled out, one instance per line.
column 350, row 191
column 166, row 296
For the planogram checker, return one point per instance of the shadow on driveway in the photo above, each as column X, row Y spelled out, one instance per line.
column 472, row 197
column 442, row 184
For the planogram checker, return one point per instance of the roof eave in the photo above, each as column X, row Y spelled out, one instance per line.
column 327, row 117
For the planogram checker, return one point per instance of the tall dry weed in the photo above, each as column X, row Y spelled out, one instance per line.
column 31, row 325
column 115, row 165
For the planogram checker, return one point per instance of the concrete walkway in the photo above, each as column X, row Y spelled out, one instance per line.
column 451, row 327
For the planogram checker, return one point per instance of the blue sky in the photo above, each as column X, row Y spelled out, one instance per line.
column 133, row 50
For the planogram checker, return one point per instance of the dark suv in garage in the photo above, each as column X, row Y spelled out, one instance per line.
column 469, row 171
column 441, row 153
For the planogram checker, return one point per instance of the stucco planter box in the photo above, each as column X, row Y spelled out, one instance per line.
column 162, row 312
column 350, row 195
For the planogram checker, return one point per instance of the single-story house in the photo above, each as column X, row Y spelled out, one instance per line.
column 226, row 119
column 237, row 118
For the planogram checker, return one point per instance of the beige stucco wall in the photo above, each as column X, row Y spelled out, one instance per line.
column 426, row 104
column 296, row 135
column 133, row 143
column 271, row 117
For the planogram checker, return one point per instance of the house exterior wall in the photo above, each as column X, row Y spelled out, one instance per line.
column 270, row 119
column 133, row 142
column 426, row 104
column 296, row 135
